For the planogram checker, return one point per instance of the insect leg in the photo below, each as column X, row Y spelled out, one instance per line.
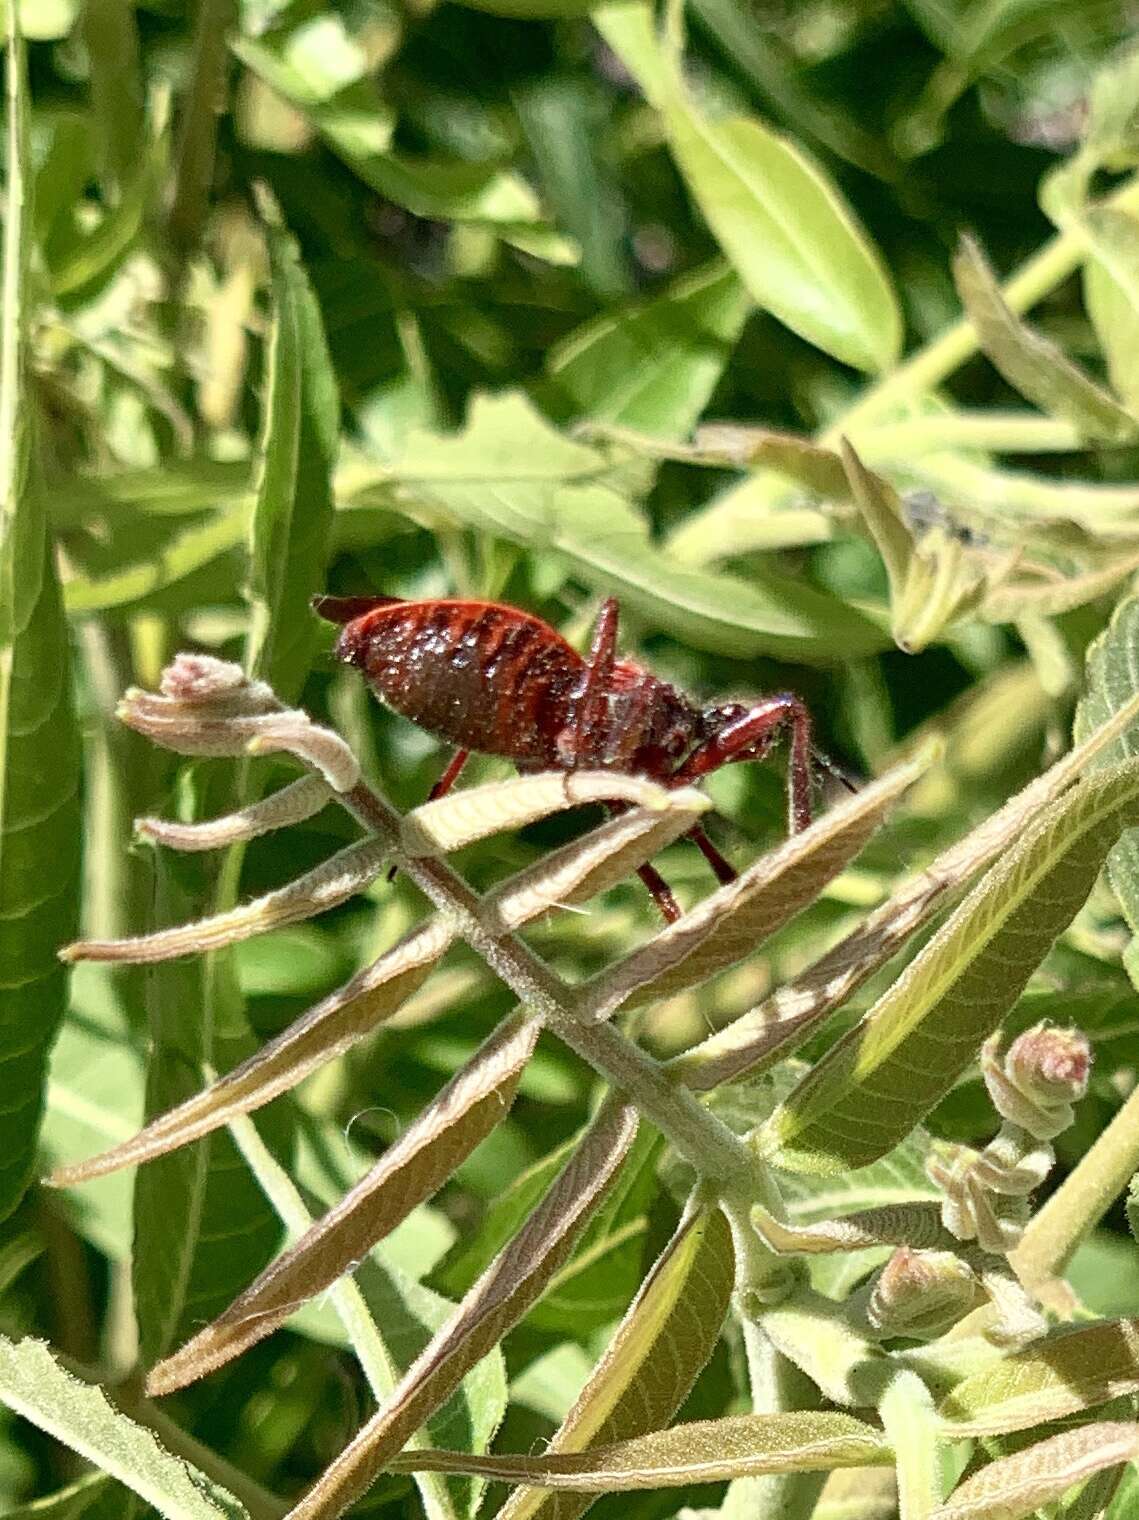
column 759, row 725
column 723, row 869
column 444, row 784
column 447, row 780
column 661, row 893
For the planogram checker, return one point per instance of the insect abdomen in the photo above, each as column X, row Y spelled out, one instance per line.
column 480, row 675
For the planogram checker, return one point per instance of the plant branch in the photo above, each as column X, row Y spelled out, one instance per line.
column 711, row 1147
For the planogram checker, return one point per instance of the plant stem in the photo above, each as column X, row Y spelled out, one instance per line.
column 911, row 1424
column 711, row 1147
column 1081, row 1201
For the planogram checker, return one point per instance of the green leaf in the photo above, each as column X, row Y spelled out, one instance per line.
column 1111, row 291
column 35, row 1386
column 1027, row 1480
column 654, row 365
column 654, row 1357
column 510, row 474
column 39, row 742
column 293, row 515
column 93, row 1497
column 871, row 1088
column 180, row 556
column 1032, row 364
column 709, row 1451
column 778, row 218
column 1066, row 1373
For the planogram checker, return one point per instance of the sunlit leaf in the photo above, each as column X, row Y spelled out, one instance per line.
column 652, row 366
column 34, row 1385
column 1014, row 1486
column 780, row 221
column 737, row 1446
column 1072, row 1370
column 39, row 819
column 509, row 473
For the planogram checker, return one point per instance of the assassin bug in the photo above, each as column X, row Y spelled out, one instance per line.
column 490, row 678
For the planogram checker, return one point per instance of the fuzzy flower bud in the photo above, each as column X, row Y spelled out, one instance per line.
column 206, row 706
column 1044, row 1072
column 922, row 1293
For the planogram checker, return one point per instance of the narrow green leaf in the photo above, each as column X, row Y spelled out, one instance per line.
column 654, row 365
column 1033, row 364
column 708, row 1451
column 1111, row 291
column 117, row 96
column 293, row 514
column 872, row 1087
column 1015, row 1486
column 93, row 1497
column 654, row 1357
column 40, row 832
column 1070, row 1371
column 496, row 1302
column 443, row 1135
column 35, row 1386
column 731, row 922
column 202, row 104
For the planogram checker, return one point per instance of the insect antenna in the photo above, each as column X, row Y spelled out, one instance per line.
column 823, row 765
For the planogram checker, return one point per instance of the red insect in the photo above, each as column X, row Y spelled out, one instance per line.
column 491, row 678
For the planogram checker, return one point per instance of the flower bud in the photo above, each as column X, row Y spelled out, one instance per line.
column 1044, row 1072
column 922, row 1293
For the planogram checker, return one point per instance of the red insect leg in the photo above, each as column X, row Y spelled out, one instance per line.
column 723, row 869
column 754, row 730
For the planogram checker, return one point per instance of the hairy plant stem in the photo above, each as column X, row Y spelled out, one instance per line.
column 716, row 1153
column 1081, row 1200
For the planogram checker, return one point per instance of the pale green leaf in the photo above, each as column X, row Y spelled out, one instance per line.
column 1032, row 364
column 39, row 817
column 1016, row 1485
column 881, row 1079
column 1071, row 1370
column 665, row 1338
column 510, row 474
column 34, row 1385
column 778, row 218
column 709, row 1451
